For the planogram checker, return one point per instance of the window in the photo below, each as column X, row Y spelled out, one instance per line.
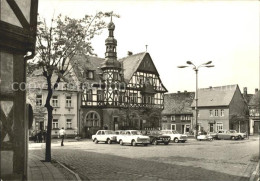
column 115, row 76
column 55, row 101
column 121, row 97
column 219, row 126
column 173, row 127
column 187, row 117
column 89, row 95
column 90, row 74
column 222, row 112
column 38, row 100
column 210, row 113
column 172, row 118
column 216, row 112
column 55, row 124
column 99, row 95
column 92, row 119
column 69, row 124
column 133, row 97
column 164, row 118
column 141, row 80
column 68, row 101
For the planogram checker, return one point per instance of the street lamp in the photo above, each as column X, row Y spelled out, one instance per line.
column 196, row 69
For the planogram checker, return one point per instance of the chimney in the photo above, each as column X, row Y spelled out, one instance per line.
column 185, row 91
column 179, row 92
column 256, row 90
column 210, row 87
column 129, row 53
column 245, row 91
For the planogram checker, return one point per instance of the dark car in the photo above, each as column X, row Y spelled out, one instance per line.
column 157, row 137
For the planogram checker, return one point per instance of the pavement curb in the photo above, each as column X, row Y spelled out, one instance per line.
column 254, row 174
column 76, row 175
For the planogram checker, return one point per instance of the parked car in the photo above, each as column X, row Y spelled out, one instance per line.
column 230, row 134
column 175, row 136
column 133, row 137
column 157, row 137
column 107, row 136
column 204, row 136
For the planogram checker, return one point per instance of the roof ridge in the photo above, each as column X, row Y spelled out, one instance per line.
column 129, row 56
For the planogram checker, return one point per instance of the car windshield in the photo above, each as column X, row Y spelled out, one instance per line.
column 156, row 132
column 166, row 132
column 110, row 132
column 136, row 132
column 175, row 132
column 232, row 131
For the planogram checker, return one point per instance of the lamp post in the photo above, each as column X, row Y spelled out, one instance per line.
column 196, row 69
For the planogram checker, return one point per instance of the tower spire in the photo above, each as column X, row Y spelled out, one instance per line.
column 111, row 43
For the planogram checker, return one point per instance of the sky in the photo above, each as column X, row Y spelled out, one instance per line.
column 224, row 32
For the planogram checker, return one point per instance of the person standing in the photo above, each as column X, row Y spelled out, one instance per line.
column 44, row 136
column 62, row 135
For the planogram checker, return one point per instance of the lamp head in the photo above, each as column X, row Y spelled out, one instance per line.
column 189, row 62
column 208, row 66
column 209, row 62
column 182, row 66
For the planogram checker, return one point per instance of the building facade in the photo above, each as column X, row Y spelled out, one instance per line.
column 221, row 108
column 119, row 94
column 177, row 114
column 64, row 100
column 254, row 116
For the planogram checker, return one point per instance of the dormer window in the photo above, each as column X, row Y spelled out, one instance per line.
column 90, row 74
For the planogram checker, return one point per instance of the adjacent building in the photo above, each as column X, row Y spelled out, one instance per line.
column 177, row 114
column 64, row 100
column 254, row 110
column 221, row 108
column 119, row 94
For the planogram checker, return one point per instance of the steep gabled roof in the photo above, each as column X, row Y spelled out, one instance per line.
column 131, row 64
column 178, row 103
column 86, row 62
column 216, row 96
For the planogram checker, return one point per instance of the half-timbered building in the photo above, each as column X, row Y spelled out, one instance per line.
column 120, row 94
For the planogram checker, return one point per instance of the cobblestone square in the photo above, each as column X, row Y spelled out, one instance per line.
column 217, row 160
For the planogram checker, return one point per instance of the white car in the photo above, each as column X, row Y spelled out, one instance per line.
column 133, row 137
column 107, row 136
column 175, row 136
column 205, row 137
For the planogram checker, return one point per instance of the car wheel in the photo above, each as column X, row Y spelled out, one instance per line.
column 211, row 139
column 240, row 137
column 109, row 141
column 121, row 142
column 183, row 141
column 233, row 138
column 166, row 143
column 155, row 142
column 96, row 141
column 176, row 140
column 133, row 143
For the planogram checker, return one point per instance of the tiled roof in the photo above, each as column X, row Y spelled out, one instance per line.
column 85, row 63
column 178, row 103
column 216, row 96
column 130, row 64
column 36, row 80
column 255, row 100
column 247, row 97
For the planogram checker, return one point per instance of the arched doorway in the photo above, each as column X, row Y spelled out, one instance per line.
column 92, row 123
